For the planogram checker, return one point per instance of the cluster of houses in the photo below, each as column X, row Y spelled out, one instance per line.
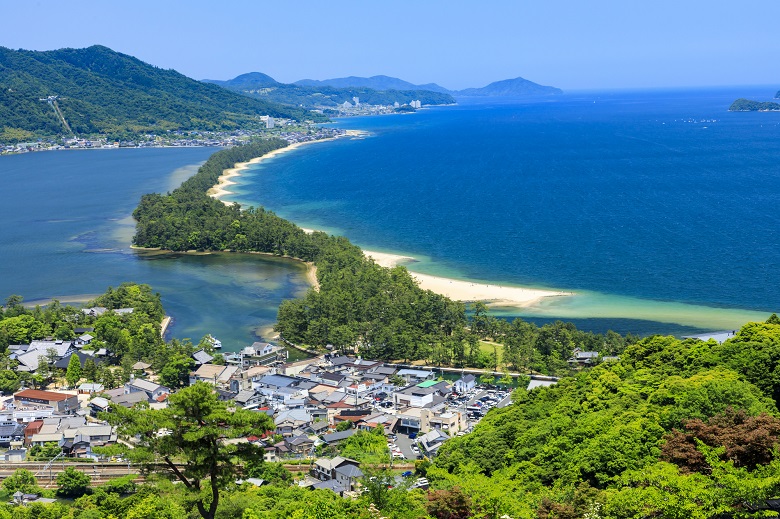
column 309, row 402
column 37, row 418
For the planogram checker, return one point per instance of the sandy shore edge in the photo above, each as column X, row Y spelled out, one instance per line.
column 468, row 291
column 229, row 176
column 460, row 290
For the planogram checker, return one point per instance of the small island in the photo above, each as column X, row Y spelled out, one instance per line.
column 747, row 105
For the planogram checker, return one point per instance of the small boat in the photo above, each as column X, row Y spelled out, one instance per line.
column 215, row 343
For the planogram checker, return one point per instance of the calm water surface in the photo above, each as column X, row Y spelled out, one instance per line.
column 659, row 209
column 66, row 232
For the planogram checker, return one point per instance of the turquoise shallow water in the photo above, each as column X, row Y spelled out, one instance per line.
column 659, row 209
column 66, row 232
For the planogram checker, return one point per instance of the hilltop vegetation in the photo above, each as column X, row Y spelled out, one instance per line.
column 262, row 86
column 108, row 93
column 747, row 105
column 674, row 429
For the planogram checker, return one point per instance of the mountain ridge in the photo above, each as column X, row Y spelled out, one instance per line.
column 262, row 86
column 97, row 90
column 504, row 88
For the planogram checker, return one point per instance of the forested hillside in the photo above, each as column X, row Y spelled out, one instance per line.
column 748, row 105
column 674, row 429
column 105, row 92
column 261, row 86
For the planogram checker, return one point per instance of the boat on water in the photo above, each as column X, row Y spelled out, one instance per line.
column 215, row 343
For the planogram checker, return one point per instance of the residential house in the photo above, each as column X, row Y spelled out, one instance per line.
column 414, row 376
column 324, row 469
column 60, row 402
column 465, row 383
column 249, row 399
column 32, row 429
column 583, row 358
column 201, row 357
column 288, row 421
column 154, row 392
column 11, row 433
column 98, row 405
column 431, row 441
column 213, row 374
column 337, row 437
column 89, row 388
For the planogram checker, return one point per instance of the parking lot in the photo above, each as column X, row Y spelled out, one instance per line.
column 483, row 399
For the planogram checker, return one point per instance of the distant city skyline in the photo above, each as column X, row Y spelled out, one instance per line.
column 573, row 45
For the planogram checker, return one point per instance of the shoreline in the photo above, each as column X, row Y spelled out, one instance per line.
column 457, row 289
column 469, row 291
column 229, row 176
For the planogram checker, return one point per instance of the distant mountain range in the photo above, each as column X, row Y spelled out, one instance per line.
column 373, row 82
column 99, row 91
column 375, row 90
column 516, row 87
column 263, row 86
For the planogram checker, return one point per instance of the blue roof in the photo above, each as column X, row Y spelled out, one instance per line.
column 277, row 380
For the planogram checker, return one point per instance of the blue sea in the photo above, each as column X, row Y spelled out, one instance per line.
column 658, row 209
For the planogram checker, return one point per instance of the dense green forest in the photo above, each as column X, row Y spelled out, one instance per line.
column 261, row 86
column 676, row 428
column 105, row 92
column 362, row 307
column 746, row 105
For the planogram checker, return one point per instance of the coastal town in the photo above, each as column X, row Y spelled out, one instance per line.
column 289, row 130
column 315, row 404
column 267, row 127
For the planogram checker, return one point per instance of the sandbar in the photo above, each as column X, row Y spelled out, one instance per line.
column 468, row 291
column 229, row 176
column 460, row 290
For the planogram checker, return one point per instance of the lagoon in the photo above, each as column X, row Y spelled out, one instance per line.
column 67, row 230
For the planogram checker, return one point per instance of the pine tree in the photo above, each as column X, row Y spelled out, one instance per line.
column 74, row 370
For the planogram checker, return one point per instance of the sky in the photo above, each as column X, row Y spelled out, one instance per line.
column 570, row 44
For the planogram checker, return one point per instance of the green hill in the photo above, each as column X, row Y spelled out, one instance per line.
column 101, row 91
column 516, row 87
column 748, row 105
column 262, row 86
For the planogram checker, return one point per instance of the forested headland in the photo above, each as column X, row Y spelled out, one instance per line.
column 360, row 306
column 747, row 105
column 103, row 92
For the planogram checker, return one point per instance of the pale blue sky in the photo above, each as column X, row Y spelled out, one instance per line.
column 571, row 44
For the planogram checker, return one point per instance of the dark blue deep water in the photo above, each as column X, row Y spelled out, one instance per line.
column 637, row 201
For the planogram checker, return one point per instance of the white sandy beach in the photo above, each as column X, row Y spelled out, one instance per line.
column 496, row 295
column 228, row 176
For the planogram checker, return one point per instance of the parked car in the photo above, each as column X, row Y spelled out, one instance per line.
column 412, row 435
column 407, row 474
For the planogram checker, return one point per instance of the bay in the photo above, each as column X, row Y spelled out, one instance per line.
column 67, row 228
column 659, row 209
